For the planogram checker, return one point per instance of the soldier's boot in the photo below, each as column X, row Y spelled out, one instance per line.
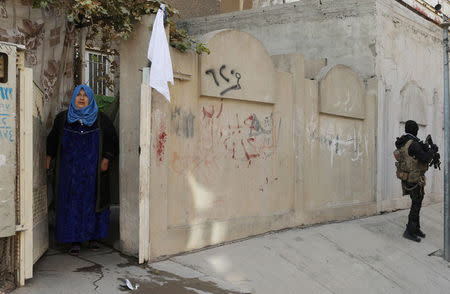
column 410, row 232
column 419, row 231
column 408, row 235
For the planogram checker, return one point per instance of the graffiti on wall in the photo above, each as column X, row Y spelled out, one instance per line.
column 180, row 163
column 182, row 123
column 337, row 145
column 226, row 82
column 6, row 130
column 161, row 143
column 242, row 139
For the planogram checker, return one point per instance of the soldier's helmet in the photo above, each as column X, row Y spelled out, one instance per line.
column 411, row 127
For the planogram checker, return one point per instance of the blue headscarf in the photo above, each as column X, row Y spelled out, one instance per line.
column 88, row 114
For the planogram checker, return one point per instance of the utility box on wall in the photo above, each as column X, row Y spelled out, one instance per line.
column 8, row 152
column 16, row 163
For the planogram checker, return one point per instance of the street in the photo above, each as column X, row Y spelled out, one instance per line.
column 366, row 255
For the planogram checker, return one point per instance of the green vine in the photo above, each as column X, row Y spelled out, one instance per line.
column 110, row 20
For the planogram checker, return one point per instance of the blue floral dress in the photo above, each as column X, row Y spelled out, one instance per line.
column 76, row 219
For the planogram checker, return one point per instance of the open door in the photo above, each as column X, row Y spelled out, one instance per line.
column 25, row 172
column 39, row 177
column 144, row 167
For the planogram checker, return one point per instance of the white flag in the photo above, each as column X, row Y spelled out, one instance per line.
column 158, row 53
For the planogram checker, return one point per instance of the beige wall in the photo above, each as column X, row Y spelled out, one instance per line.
column 132, row 60
column 409, row 64
column 272, row 151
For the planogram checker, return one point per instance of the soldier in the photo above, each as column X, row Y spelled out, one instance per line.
column 413, row 158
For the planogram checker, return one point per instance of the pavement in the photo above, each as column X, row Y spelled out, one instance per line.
column 359, row 256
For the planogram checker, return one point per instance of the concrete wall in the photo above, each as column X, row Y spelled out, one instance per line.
column 382, row 39
column 244, row 148
column 196, row 8
column 333, row 112
column 50, row 47
column 132, row 60
column 341, row 31
column 265, row 3
column 409, row 67
column 222, row 157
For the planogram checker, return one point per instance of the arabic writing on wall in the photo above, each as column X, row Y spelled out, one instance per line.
column 6, row 130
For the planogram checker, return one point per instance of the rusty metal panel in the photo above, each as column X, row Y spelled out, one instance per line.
column 8, row 155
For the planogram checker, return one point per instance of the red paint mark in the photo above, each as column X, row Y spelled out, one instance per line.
column 267, row 180
column 239, row 131
column 249, row 119
column 234, row 153
column 261, row 189
column 233, row 132
column 237, row 120
column 221, row 134
column 207, row 113
column 220, row 111
column 247, row 155
column 162, row 138
column 276, row 179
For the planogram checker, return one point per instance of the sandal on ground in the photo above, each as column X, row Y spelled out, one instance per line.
column 74, row 249
column 94, row 245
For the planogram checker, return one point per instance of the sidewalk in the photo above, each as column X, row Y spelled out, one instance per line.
column 360, row 256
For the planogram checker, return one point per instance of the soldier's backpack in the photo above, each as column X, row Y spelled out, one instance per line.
column 408, row 168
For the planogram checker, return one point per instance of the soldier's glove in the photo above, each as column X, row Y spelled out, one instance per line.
column 434, row 148
column 425, row 147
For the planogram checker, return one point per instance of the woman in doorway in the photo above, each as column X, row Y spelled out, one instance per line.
column 83, row 141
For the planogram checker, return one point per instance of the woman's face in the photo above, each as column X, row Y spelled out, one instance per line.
column 81, row 100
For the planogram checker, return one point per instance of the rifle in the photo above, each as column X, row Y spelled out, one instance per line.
column 436, row 162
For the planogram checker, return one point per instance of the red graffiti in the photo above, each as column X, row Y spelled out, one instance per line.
column 207, row 113
column 249, row 156
column 180, row 163
column 162, row 137
column 249, row 119
column 220, row 111
column 241, row 137
column 234, row 151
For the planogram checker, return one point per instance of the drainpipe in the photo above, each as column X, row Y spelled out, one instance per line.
column 445, row 24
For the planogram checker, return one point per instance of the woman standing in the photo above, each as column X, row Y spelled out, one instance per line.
column 83, row 141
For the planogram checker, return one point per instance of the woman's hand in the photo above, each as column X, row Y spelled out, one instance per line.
column 104, row 164
column 47, row 164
